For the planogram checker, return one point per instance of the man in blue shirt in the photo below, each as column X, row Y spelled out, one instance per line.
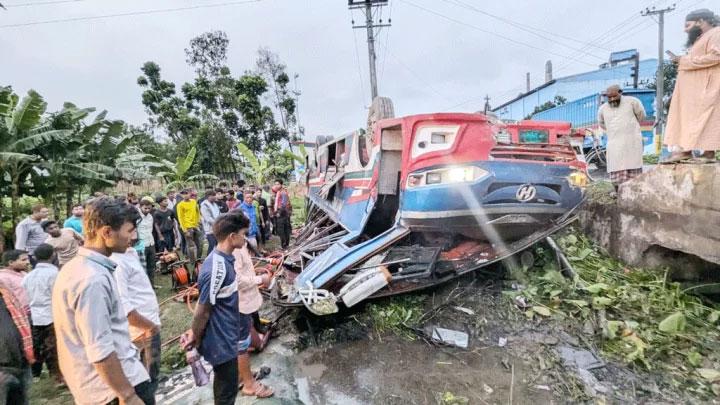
column 75, row 222
column 250, row 211
column 219, row 331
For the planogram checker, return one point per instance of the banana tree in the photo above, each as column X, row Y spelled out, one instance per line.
column 258, row 169
column 176, row 174
column 300, row 157
column 22, row 134
column 72, row 164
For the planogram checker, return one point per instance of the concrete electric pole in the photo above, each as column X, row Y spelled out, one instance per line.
column 660, row 78
column 369, row 7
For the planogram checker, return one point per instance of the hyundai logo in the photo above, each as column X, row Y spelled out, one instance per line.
column 526, row 193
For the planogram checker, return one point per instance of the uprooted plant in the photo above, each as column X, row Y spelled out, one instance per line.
column 638, row 315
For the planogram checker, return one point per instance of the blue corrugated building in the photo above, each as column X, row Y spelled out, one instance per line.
column 579, row 86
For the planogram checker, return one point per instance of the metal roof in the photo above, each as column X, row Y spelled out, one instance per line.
column 608, row 73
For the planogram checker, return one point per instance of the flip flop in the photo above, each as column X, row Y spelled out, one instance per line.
column 258, row 375
column 261, row 391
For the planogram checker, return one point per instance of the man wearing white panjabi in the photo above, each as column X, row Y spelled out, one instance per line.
column 620, row 117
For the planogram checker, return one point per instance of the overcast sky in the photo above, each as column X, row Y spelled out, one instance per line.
column 438, row 55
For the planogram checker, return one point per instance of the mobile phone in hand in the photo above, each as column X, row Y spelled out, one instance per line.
column 671, row 54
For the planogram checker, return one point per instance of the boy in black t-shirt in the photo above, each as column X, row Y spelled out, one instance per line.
column 165, row 223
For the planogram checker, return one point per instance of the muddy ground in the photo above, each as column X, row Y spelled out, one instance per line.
column 344, row 359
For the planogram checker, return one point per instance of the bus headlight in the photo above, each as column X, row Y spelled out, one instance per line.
column 453, row 175
column 578, row 179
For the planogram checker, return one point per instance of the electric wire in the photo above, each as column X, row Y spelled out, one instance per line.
column 357, row 59
column 509, row 39
column 129, row 13
column 39, row 3
column 520, row 26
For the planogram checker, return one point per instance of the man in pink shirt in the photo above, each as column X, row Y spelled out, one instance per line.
column 15, row 266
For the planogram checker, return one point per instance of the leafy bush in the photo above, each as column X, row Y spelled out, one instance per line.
column 641, row 318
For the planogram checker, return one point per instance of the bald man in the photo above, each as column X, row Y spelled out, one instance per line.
column 694, row 116
column 620, row 117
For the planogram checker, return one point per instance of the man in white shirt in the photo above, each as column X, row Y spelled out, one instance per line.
column 38, row 285
column 145, row 234
column 140, row 304
column 209, row 212
column 97, row 358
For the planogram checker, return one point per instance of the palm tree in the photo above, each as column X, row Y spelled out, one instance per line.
column 176, row 174
column 22, row 133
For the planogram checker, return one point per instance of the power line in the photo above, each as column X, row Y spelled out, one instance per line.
column 387, row 43
column 649, row 24
column 426, row 83
column 493, row 33
column 40, row 3
column 544, row 31
column 610, row 32
column 130, row 13
column 360, row 75
column 519, row 26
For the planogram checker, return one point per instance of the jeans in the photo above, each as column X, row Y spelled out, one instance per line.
column 45, row 351
column 150, row 263
column 283, row 230
column 225, row 384
column 142, row 390
column 212, row 242
column 150, row 357
column 193, row 239
column 15, row 385
column 168, row 242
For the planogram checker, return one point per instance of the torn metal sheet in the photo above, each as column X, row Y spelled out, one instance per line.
column 451, row 337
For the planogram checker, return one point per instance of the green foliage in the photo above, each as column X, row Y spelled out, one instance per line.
column 259, row 169
column 299, row 214
column 178, row 174
column 217, row 110
column 448, row 398
column 645, row 320
column 558, row 100
column 397, row 315
column 274, row 72
column 651, row 159
column 670, row 71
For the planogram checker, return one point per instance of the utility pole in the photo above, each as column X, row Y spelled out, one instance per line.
column 487, row 104
column 660, row 78
column 368, row 7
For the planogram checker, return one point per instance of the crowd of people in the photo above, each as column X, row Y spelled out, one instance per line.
column 80, row 299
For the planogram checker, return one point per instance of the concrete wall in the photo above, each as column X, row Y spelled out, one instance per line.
column 667, row 216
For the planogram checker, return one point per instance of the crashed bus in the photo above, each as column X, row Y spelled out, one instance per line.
column 419, row 200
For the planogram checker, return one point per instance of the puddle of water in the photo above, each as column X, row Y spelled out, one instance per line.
column 312, row 371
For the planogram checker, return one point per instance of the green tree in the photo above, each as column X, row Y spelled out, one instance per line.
column 670, row 77
column 217, row 110
column 270, row 67
column 22, row 134
column 261, row 168
column 177, row 174
column 558, row 100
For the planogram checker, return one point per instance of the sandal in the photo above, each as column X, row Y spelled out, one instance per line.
column 699, row 160
column 261, row 391
column 676, row 159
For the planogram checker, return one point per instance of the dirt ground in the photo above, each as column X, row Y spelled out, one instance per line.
column 509, row 359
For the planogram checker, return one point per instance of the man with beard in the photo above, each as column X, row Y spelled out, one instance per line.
column 694, row 116
column 620, row 118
